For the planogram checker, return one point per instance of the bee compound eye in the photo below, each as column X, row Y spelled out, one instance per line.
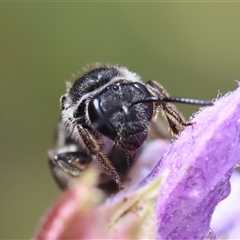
column 100, row 121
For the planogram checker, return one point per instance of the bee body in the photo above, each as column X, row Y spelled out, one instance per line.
column 106, row 114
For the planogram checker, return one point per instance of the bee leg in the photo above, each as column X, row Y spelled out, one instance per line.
column 67, row 165
column 174, row 118
column 67, row 160
column 157, row 88
column 94, row 150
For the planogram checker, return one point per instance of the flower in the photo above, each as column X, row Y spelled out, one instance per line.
column 175, row 201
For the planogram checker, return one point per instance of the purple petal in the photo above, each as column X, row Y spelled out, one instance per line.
column 200, row 162
column 226, row 217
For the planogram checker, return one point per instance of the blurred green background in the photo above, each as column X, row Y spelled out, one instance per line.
column 193, row 49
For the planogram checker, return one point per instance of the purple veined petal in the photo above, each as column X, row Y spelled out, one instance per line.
column 226, row 218
column 200, row 162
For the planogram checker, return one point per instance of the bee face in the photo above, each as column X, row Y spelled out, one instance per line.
column 101, row 100
column 105, row 118
column 111, row 114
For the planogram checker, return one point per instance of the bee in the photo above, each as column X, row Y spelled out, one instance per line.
column 105, row 119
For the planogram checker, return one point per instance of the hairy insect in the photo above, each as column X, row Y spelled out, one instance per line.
column 106, row 117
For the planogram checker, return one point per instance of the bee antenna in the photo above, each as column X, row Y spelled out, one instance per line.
column 174, row 100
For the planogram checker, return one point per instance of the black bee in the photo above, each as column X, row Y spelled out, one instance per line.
column 106, row 114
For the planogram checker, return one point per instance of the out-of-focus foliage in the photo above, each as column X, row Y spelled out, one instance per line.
column 191, row 48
